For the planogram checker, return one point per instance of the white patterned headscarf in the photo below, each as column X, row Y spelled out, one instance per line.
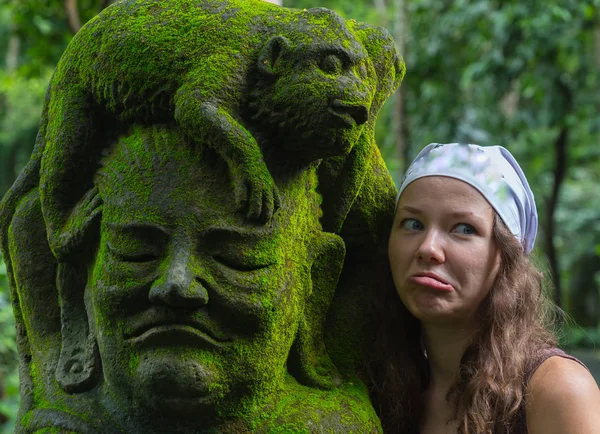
column 493, row 171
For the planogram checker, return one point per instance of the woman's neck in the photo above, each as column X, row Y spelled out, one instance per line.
column 445, row 347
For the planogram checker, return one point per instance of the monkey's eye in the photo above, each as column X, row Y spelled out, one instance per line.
column 331, row 64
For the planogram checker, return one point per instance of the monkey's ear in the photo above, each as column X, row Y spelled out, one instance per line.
column 270, row 54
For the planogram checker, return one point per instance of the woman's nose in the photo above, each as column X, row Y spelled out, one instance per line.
column 180, row 286
column 431, row 247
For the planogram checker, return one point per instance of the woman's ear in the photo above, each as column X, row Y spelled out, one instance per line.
column 309, row 361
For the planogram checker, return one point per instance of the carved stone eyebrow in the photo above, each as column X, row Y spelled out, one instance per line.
column 347, row 56
column 237, row 233
column 139, row 227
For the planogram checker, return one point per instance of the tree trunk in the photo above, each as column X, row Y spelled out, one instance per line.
column 73, row 15
column 8, row 153
column 382, row 11
column 13, row 49
column 12, row 53
column 560, row 170
column 398, row 114
column 8, row 167
column 398, row 125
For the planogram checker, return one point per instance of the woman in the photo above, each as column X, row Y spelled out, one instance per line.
column 466, row 347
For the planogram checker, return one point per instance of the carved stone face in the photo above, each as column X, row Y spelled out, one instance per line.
column 332, row 89
column 193, row 308
column 319, row 101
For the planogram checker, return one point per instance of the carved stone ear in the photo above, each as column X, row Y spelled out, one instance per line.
column 78, row 363
column 271, row 53
column 309, row 361
column 77, row 368
column 77, row 233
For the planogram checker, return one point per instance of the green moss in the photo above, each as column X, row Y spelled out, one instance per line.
column 54, row 430
column 150, row 63
column 298, row 411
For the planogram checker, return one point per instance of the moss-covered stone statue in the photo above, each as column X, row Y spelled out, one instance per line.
column 193, row 243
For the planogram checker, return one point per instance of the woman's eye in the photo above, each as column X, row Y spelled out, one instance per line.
column 412, row 225
column 331, row 64
column 465, row 229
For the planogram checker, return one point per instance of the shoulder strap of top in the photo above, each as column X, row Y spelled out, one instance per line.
column 544, row 355
column 520, row 422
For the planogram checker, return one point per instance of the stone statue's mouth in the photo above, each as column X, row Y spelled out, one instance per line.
column 176, row 334
column 351, row 113
column 178, row 331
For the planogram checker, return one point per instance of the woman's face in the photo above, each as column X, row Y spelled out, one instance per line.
column 442, row 252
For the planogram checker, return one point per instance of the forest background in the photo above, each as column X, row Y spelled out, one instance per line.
column 525, row 75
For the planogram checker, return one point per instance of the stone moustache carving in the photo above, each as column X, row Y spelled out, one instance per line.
column 192, row 246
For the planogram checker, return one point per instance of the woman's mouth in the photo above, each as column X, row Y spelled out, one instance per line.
column 430, row 280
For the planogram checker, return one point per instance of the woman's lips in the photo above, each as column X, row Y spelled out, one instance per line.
column 431, row 282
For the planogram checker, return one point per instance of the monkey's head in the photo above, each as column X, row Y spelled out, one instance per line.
column 312, row 99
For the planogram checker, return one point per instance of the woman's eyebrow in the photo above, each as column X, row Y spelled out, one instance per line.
column 452, row 214
column 478, row 218
column 459, row 214
column 466, row 214
column 410, row 209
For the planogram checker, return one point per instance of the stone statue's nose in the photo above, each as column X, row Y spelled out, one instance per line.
column 359, row 112
column 180, row 286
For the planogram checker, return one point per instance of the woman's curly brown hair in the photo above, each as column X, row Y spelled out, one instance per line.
column 514, row 325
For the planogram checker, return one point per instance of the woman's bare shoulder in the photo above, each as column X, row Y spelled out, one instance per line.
column 562, row 396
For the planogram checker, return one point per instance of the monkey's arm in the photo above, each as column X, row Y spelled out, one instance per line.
column 207, row 120
column 365, row 231
column 340, row 180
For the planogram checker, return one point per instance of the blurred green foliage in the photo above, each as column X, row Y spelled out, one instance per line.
column 576, row 338
column 9, row 379
column 524, row 75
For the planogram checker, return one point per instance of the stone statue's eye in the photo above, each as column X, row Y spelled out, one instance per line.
column 142, row 257
column 136, row 242
column 133, row 255
column 331, row 64
column 238, row 264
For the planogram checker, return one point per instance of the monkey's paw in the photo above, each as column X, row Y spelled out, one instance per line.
column 256, row 195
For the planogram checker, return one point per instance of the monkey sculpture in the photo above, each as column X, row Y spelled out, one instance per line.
column 191, row 62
